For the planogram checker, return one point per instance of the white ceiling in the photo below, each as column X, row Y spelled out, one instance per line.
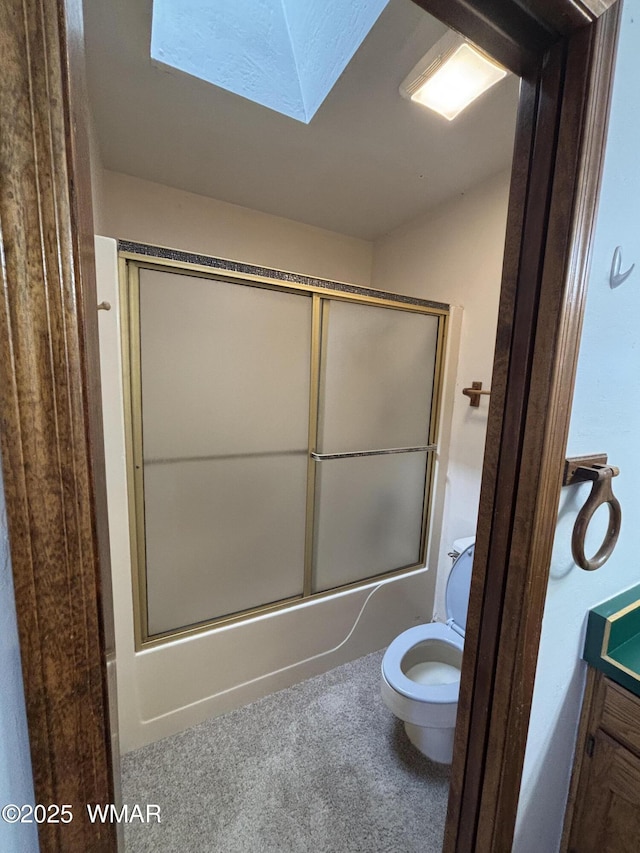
column 368, row 161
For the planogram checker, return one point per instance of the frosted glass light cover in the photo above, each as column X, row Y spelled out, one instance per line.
column 377, row 378
column 462, row 78
column 368, row 517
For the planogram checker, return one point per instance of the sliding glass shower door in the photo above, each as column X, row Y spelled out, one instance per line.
column 281, row 441
column 374, row 419
column 225, row 399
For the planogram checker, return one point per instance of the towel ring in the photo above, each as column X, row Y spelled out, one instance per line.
column 601, row 493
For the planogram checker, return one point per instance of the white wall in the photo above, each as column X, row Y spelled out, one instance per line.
column 605, row 418
column 97, row 178
column 454, row 254
column 145, row 212
column 16, row 785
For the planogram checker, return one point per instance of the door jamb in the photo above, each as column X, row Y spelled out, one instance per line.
column 544, row 286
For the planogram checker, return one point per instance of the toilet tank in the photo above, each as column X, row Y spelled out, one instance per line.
column 460, row 545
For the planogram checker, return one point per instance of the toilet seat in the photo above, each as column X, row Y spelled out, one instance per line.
column 451, row 634
column 393, row 657
column 429, row 710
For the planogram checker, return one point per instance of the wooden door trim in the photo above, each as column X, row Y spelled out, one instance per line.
column 52, row 454
column 49, row 418
column 516, row 34
column 526, row 438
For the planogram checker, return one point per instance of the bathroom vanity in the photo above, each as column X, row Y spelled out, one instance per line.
column 603, row 811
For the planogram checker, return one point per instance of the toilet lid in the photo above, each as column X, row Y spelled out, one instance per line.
column 460, row 545
column 458, row 586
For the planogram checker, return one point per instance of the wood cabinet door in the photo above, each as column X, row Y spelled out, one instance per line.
column 608, row 818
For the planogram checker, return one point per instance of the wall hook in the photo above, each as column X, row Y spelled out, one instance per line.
column 594, row 469
column 616, row 278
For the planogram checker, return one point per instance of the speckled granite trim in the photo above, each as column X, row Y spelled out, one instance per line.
column 266, row 272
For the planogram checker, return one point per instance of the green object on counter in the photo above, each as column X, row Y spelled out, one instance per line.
column 612, row 644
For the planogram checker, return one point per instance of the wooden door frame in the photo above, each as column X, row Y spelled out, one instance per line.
column 50, row 418
column 555, row 182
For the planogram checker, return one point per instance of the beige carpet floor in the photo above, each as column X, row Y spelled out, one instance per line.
column 321, row 767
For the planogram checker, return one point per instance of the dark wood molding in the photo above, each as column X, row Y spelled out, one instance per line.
column 518, row 33
column 539, row 330
column 78, row 152
column 591, row 702
column 46, row 417
column 506, row 31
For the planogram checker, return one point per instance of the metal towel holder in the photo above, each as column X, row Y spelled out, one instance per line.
column 582, row 469
column 474, row 393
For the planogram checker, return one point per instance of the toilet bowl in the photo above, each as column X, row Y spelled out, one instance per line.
column 421, row 668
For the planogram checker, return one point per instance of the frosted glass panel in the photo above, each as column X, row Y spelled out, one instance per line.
column 225, row 407
column 368, row 516
column 377, row 378
column 225, row 367
column 222, row 536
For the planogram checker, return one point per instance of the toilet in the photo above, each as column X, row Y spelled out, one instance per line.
column 421, row 667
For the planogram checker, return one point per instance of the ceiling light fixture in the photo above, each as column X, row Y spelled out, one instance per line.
column 451, row 75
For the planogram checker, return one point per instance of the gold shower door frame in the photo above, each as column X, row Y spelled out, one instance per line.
column 130, row 264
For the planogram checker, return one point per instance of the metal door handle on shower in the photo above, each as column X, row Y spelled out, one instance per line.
column 352, row 454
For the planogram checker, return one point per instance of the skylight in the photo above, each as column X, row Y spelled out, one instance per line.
column 284, row 54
